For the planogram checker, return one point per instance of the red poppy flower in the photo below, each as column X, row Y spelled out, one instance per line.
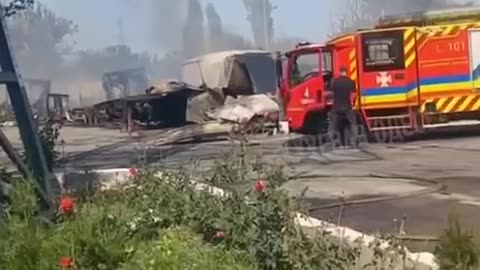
column 66, row 262
column 67, row 205
column 220, row 235
column 133, row 171
column 260, row 186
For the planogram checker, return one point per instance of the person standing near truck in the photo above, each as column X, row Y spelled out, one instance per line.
column 342, row 110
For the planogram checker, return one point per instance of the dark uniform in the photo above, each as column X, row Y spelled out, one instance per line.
column 342, row 88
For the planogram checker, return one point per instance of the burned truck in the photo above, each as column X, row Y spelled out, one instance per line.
column 226, row 76
column 228, row 86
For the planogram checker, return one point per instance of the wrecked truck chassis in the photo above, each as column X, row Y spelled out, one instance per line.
column 153, row 111
column 167, row 110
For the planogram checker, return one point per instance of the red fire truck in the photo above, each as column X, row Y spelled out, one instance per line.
column 302, row 87
column 413, row 72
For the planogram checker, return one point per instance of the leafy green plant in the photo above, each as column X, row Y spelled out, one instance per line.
column 100, row 241
column 14, row 6
column 164, row 220
column 49, row 135
column 259, row 221
column 231, row 168
column 100, row 234
column 456, row 249
column 48, row 138
column 24, row 237
column 181, row 249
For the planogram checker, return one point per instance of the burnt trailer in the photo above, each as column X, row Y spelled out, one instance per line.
column 160, row 110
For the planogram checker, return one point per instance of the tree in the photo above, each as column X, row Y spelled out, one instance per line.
column 14, row 6
column 219, row 38
column 261, row 21
column 39, row 40
column 167, row 17
column 353, row 16
column 93, row 63
column 357, row 14
column 193, row 31
column 215, row 28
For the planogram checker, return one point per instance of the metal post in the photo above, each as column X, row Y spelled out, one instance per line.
column 265, row 24
column 266, row 20
column 129, row 118
column 23, row 114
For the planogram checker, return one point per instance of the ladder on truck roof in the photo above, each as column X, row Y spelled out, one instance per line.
column 433, row 17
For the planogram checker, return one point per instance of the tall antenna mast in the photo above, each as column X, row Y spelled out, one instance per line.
column 121, row 31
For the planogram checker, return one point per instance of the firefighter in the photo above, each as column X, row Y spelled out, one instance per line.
column 342, row 110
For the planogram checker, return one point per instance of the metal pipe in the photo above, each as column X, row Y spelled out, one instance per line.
column 265, row 25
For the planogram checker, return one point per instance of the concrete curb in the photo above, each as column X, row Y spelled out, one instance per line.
column 114, row 177
column 425, row 258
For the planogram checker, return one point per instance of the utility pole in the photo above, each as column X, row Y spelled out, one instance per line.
column 265, row 25
column 266, row 20
column 121, row 31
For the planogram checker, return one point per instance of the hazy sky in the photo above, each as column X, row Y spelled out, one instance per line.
column 98, row 20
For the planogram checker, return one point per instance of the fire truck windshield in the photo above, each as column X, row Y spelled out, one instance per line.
column 305, row 66
column 383, row 51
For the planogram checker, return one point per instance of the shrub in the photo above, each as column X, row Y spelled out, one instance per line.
column 258, row 222
column 162, row 221
column 456, row 249
column 48, row 136
column 99, row 235
column 181, row 249
column 25, row 239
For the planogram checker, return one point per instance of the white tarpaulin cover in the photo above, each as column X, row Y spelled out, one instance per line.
column 244, row 108
column 242, row 72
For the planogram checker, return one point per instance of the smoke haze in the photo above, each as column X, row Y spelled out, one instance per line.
column 260, row 19
column 193, row 30
column 167, row 21
column 176, row 29
column 363, row 13
column 215, row 28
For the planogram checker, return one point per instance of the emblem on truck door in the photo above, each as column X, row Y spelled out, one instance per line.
column 384, row 79
column 306, row 94
column 306, row 97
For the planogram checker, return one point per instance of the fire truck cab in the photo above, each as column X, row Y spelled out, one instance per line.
column 305, row 73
